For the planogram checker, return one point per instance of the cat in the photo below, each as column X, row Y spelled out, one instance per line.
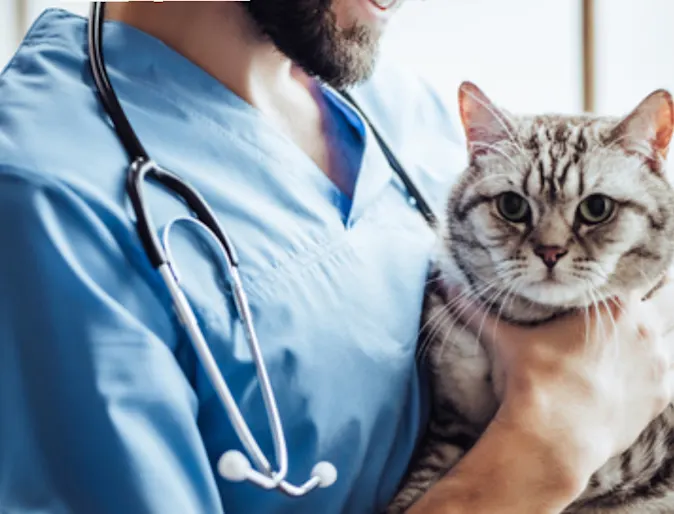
column 553, row 213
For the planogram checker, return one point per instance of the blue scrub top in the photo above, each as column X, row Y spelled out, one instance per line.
column 103, row 405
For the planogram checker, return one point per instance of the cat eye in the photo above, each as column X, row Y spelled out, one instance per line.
column 595, row 209
column 513, row 207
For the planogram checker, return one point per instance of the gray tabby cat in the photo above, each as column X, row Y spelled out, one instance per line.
column 552, row 214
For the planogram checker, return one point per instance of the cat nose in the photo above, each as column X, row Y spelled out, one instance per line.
column 550, row 255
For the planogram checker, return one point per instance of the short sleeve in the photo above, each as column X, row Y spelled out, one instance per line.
column 96, row 412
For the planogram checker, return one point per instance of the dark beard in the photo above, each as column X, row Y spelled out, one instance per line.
column 306, row 32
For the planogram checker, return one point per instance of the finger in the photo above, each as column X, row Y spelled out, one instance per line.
column 659, row 305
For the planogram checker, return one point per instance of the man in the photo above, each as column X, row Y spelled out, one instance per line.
column 104, row 405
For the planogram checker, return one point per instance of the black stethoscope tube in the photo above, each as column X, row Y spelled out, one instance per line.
column 142, row 167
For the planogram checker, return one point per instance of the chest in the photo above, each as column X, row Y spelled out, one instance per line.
column 336, row 310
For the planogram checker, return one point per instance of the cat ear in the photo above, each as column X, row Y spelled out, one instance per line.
column 651, row 123
column 483, row 122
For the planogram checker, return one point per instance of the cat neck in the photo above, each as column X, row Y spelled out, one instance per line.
column 512, row 308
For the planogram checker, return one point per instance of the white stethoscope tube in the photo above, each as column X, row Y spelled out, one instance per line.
column 233, row 465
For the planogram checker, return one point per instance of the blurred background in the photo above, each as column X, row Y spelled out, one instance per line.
column 600, row 56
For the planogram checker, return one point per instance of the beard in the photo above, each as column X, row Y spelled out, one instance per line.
column 306, row 31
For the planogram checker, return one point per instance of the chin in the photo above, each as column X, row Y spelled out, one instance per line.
column 557, row 294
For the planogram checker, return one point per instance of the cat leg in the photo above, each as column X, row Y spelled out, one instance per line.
column 442, row 448
column 664, row 505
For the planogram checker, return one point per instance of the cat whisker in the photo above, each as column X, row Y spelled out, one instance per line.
column 587, row 320
column 487, row 309
column 512, row 291
column 507, row 291
column 473, row 291
column 595, row 305
column 479, row 299
column 469, row 294
column 610, row 315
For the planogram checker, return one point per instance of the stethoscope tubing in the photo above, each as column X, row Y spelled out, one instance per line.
column 143, row 168
column 140, row 169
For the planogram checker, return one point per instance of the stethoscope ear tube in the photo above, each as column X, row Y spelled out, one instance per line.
column 106, row 92
column 189, row 322
column 147, row 232
column 417, row 199
column 233, row 464
column 142, row 169
column 141, row 164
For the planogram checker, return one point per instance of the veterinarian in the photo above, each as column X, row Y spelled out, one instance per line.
column 105, row 406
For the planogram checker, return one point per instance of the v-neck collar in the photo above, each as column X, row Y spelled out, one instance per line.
column 374, row 173
column 134, row 56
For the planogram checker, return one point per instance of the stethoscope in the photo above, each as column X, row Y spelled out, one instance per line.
column 232, row 465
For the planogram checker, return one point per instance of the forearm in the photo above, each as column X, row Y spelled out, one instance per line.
column 507, row 472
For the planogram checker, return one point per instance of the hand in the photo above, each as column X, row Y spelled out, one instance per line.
column 586, row 384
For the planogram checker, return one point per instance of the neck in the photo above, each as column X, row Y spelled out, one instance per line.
column 220, row 38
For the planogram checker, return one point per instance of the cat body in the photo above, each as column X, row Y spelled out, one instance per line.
column 554, row 213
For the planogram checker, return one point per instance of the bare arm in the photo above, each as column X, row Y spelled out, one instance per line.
column 574, row 393
column 507, row 472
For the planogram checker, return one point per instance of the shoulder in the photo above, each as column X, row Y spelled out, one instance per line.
column 400, row 98
column 420, row 124
column 50, row 122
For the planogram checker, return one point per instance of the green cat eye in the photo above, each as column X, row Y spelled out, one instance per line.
column 513, row 207
column 595, row 209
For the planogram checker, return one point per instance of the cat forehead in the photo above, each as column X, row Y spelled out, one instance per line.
column 560, row 158
column 543, row 130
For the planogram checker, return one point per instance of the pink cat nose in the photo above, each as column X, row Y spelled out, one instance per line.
column 550, row 255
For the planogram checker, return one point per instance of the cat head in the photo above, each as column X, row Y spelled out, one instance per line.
column 562, row 210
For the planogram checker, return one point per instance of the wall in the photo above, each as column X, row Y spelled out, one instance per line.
column 635, row 51
column 486, row 41
column 526, row 54
column 510, row 49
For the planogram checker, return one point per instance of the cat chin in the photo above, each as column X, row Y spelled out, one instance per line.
column 557, row 295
